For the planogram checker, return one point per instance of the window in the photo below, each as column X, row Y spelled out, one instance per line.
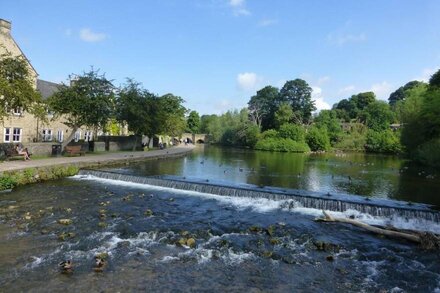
column 18, row 111
column 77, row 135
column 47, row 134
column 7, row 136
column 16, row 135
column 88, row 136
column 60, row 135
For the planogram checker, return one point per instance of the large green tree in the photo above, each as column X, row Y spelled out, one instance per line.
column 88, row 101
column 171, row 115
column 263, row 105
column 298, row 94
column 193, row 122
column 404, row 91
column 16, row 88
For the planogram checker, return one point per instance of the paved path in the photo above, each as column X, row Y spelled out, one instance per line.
column 93, row 160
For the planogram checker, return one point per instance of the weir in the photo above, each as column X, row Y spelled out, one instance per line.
column 308, row 199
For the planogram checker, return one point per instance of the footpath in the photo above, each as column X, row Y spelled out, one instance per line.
column 95, row 160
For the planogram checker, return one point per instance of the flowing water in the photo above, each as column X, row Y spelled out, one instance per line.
column 161, row 239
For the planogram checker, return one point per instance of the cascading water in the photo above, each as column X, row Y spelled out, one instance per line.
column 332, row 202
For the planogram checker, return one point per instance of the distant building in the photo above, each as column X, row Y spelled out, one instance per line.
column 24, row 127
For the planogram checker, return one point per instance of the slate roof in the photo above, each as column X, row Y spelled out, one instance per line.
column 47, row 88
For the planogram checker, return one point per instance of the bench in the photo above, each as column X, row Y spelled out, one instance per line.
column 74, row 150
column 12, row 153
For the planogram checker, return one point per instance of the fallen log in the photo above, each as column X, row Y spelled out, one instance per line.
column 426, row 240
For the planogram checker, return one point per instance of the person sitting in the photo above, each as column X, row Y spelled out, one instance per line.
column 22, row 151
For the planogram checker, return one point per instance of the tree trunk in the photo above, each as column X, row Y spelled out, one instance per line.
column 135, row 142
column 380, row 231
column 69, row 139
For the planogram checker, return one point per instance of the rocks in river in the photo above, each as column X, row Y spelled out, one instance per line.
column 65, row 221
column 148, row 213
column 330, row 257
column 274, row 241
column 326, row 246
column 100, row 261
column 102, row 224
column 66, row 235
column 191, row 242
column 255, row 229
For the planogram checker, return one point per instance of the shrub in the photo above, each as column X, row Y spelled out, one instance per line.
column 317, row 139
column 385, row 141
column 281, row 145
column 7, row 182
column 429, row 153
column 293, row 131
column 271, row 133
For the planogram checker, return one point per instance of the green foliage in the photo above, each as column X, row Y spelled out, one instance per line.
column 88, row 101
column 16, row 88
column 7, row 182
column 318, row 139
column 298, row 94
column 354, row 139
column 281, row 145
column 134, row 105
column 271, row 133
column 193, row 122
column 429, row 153
column 385, row 141
column 378, row 116
column 353, row 107
column 283, row 115
column 434, row 81
column 171, row 115
column 403, row 92
column 329, row 119
column 263, row 105
column 293, row 131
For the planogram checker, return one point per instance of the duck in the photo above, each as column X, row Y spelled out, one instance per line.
column 66, row 266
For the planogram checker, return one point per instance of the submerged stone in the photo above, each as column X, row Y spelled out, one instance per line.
column 191, row 242
column 148, row 213
column 65, row 221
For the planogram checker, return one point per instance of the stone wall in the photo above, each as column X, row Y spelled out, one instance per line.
column 121, row 143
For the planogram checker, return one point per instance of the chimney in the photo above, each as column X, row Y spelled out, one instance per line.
column 5, row 27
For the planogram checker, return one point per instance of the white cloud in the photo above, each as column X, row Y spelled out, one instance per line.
column 382, row 90
column 319, row 99
column 323, row 79
column 341, row 39
column 88, row 35
column 267, row 22
column 426, row 74
column 239, row 7
column 248, row 81
column 348, row 90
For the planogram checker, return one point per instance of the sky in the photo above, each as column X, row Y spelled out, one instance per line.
column 216, row 54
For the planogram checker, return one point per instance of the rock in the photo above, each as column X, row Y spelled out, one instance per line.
column 66, row 266
column 102, row 224
column 270, row 230
column 330, row 258
column 64, row 236
column 171, row 199
column 148, row 213
column 184, row 233
column 255, row 229
column 181, row 241
column 12, row 207
column 65, row 221
column 274, row 241
column 267, row 254
column 69, row 210
column 191, row 242
column 102, row 255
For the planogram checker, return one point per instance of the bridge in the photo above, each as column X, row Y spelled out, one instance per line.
column 195, row 137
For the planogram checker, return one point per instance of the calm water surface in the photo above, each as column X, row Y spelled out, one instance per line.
column 349, row 173
column 241, row 244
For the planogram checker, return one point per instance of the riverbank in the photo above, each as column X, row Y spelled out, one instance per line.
column 19, row 172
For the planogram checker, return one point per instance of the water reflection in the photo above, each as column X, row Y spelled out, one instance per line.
column 354, row 173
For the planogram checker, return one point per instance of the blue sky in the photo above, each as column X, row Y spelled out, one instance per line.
column 216, row 53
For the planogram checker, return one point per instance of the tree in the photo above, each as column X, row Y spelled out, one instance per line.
column 16, row 88
column 378, row 116
column 402, row 92
column 88, row 101
column 298, row 94
column 133, row 108
column 317, row 139
column 329, row 119
column 262, row 106
column 171, row 115
column 193, row 122
column 283, row 115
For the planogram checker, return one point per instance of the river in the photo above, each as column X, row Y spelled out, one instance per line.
column 240, row 244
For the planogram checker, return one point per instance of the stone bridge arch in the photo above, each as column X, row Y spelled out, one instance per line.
column 195, row 138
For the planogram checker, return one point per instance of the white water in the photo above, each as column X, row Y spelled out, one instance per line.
column 264, row 205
